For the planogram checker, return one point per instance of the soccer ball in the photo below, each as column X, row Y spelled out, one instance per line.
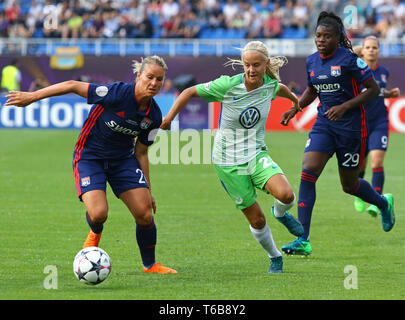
column 92, row 265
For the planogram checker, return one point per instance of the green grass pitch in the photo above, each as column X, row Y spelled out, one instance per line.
column 200, row 232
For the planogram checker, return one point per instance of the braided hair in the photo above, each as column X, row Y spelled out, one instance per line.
column 331, row 20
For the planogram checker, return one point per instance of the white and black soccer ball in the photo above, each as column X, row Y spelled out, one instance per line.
column 92, row 265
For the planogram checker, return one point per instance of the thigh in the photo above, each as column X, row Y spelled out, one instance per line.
column 262, row 169
column 125, row 174
column 238, row 184
column 89, row 175
column 139, row 203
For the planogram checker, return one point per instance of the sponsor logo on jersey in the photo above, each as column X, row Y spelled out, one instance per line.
column 249, row 117
column 117, row 128
column 101, row 91
column 207, row 85
column 327, row 87
column 335, row 71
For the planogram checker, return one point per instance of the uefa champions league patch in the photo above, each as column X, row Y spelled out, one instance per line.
column 102, row 91
column 361, row 64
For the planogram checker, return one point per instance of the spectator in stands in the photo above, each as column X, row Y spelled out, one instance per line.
column 111, row 23
column 13, row 11
column 229, row 10
column 272, row 27
column 97, row 27
column 191, row 25
column 216, row 18
column 300, row 14
column 145, row 28
column 170, row 8
column 73, row 26
column 3, row 25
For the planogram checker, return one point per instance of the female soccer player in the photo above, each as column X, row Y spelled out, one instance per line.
column 105, row 150
column 377, row 122
column 240, row 154
column 334, row 75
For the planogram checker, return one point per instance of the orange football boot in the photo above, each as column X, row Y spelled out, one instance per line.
column 92, row 240
column 158, row 268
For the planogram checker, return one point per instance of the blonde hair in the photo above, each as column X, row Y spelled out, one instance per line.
column 155, row 60
column 274, row 66
column 357, row 50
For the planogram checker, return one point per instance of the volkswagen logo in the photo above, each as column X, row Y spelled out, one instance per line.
column 249, row 117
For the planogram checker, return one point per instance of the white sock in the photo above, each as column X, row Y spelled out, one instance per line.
column 280, row 208
column 265, row 239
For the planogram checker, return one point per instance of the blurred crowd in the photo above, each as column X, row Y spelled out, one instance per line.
column 189, row 19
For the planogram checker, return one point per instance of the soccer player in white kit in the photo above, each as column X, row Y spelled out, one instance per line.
column 240, row 154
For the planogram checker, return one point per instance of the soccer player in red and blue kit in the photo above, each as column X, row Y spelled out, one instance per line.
column 377, row 122
column 335, row 74
column 113, row 147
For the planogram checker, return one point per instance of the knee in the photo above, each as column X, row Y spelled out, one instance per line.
column 259, row 222
column 98, row 215
column 144, row 214
column 286, row 196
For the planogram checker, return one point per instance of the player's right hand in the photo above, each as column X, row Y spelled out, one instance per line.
column 166, row 124
column 287, row 116
column 19, row 99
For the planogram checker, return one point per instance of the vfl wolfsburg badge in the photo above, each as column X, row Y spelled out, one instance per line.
column 145, row 123
column 249, row 117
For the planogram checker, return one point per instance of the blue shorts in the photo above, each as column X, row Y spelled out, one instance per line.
column 377, row 136
column 122, row 175
column 349, row 150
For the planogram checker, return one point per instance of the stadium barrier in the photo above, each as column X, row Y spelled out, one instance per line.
column 305, row 120
column 70, row 111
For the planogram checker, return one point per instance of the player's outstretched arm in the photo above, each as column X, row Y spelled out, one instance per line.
column 178, row 105
column 285, row 92
column 23, row 99
column 307, row 97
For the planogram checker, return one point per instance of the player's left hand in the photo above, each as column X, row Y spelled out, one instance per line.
column 336, row 112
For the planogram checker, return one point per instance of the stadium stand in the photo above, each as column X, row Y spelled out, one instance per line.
column 85, row 22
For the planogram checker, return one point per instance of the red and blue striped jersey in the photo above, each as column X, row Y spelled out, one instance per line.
column 114, row 122
column 337, row 79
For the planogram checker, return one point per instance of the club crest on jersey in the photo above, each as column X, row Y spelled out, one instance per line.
column 249, row 117
column 85, row 181
column 335, row 71
column 145, row 123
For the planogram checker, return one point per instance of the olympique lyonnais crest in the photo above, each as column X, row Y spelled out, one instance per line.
column 145, row 123
column 335, row 71
column 85, row 181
